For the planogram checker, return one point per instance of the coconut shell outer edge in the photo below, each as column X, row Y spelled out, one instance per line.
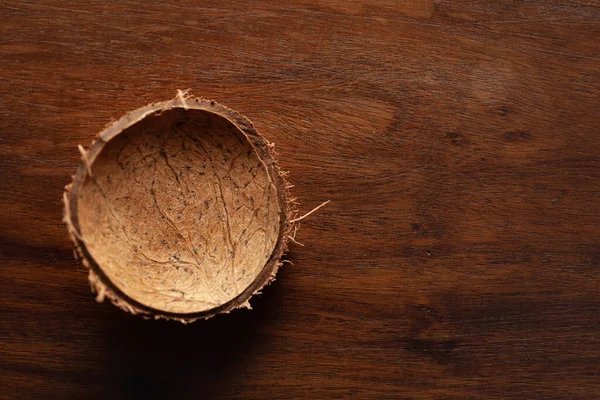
column 102, row 287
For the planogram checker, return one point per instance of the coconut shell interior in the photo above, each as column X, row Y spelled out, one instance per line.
column 179, row 210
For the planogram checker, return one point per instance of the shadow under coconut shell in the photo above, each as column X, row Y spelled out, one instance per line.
column 150, row 359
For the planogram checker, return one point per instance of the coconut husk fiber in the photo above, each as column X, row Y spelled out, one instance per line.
column 179, row 210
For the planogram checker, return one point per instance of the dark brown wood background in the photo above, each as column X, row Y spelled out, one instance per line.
column 458, row 142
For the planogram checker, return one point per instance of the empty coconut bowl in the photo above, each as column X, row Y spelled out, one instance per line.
column 179, row 211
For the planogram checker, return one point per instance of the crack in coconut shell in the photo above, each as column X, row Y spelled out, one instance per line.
column 179, row 211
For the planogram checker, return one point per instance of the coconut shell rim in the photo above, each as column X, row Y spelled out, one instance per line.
column 99, row 281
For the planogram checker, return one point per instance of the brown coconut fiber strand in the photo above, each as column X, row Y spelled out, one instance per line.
column 179, row 210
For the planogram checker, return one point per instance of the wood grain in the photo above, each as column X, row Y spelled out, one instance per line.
column 458, row 142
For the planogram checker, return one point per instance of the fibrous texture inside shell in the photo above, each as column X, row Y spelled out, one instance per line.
column 182, row 213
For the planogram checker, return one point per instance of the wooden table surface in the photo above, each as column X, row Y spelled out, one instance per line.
column 458, row 142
